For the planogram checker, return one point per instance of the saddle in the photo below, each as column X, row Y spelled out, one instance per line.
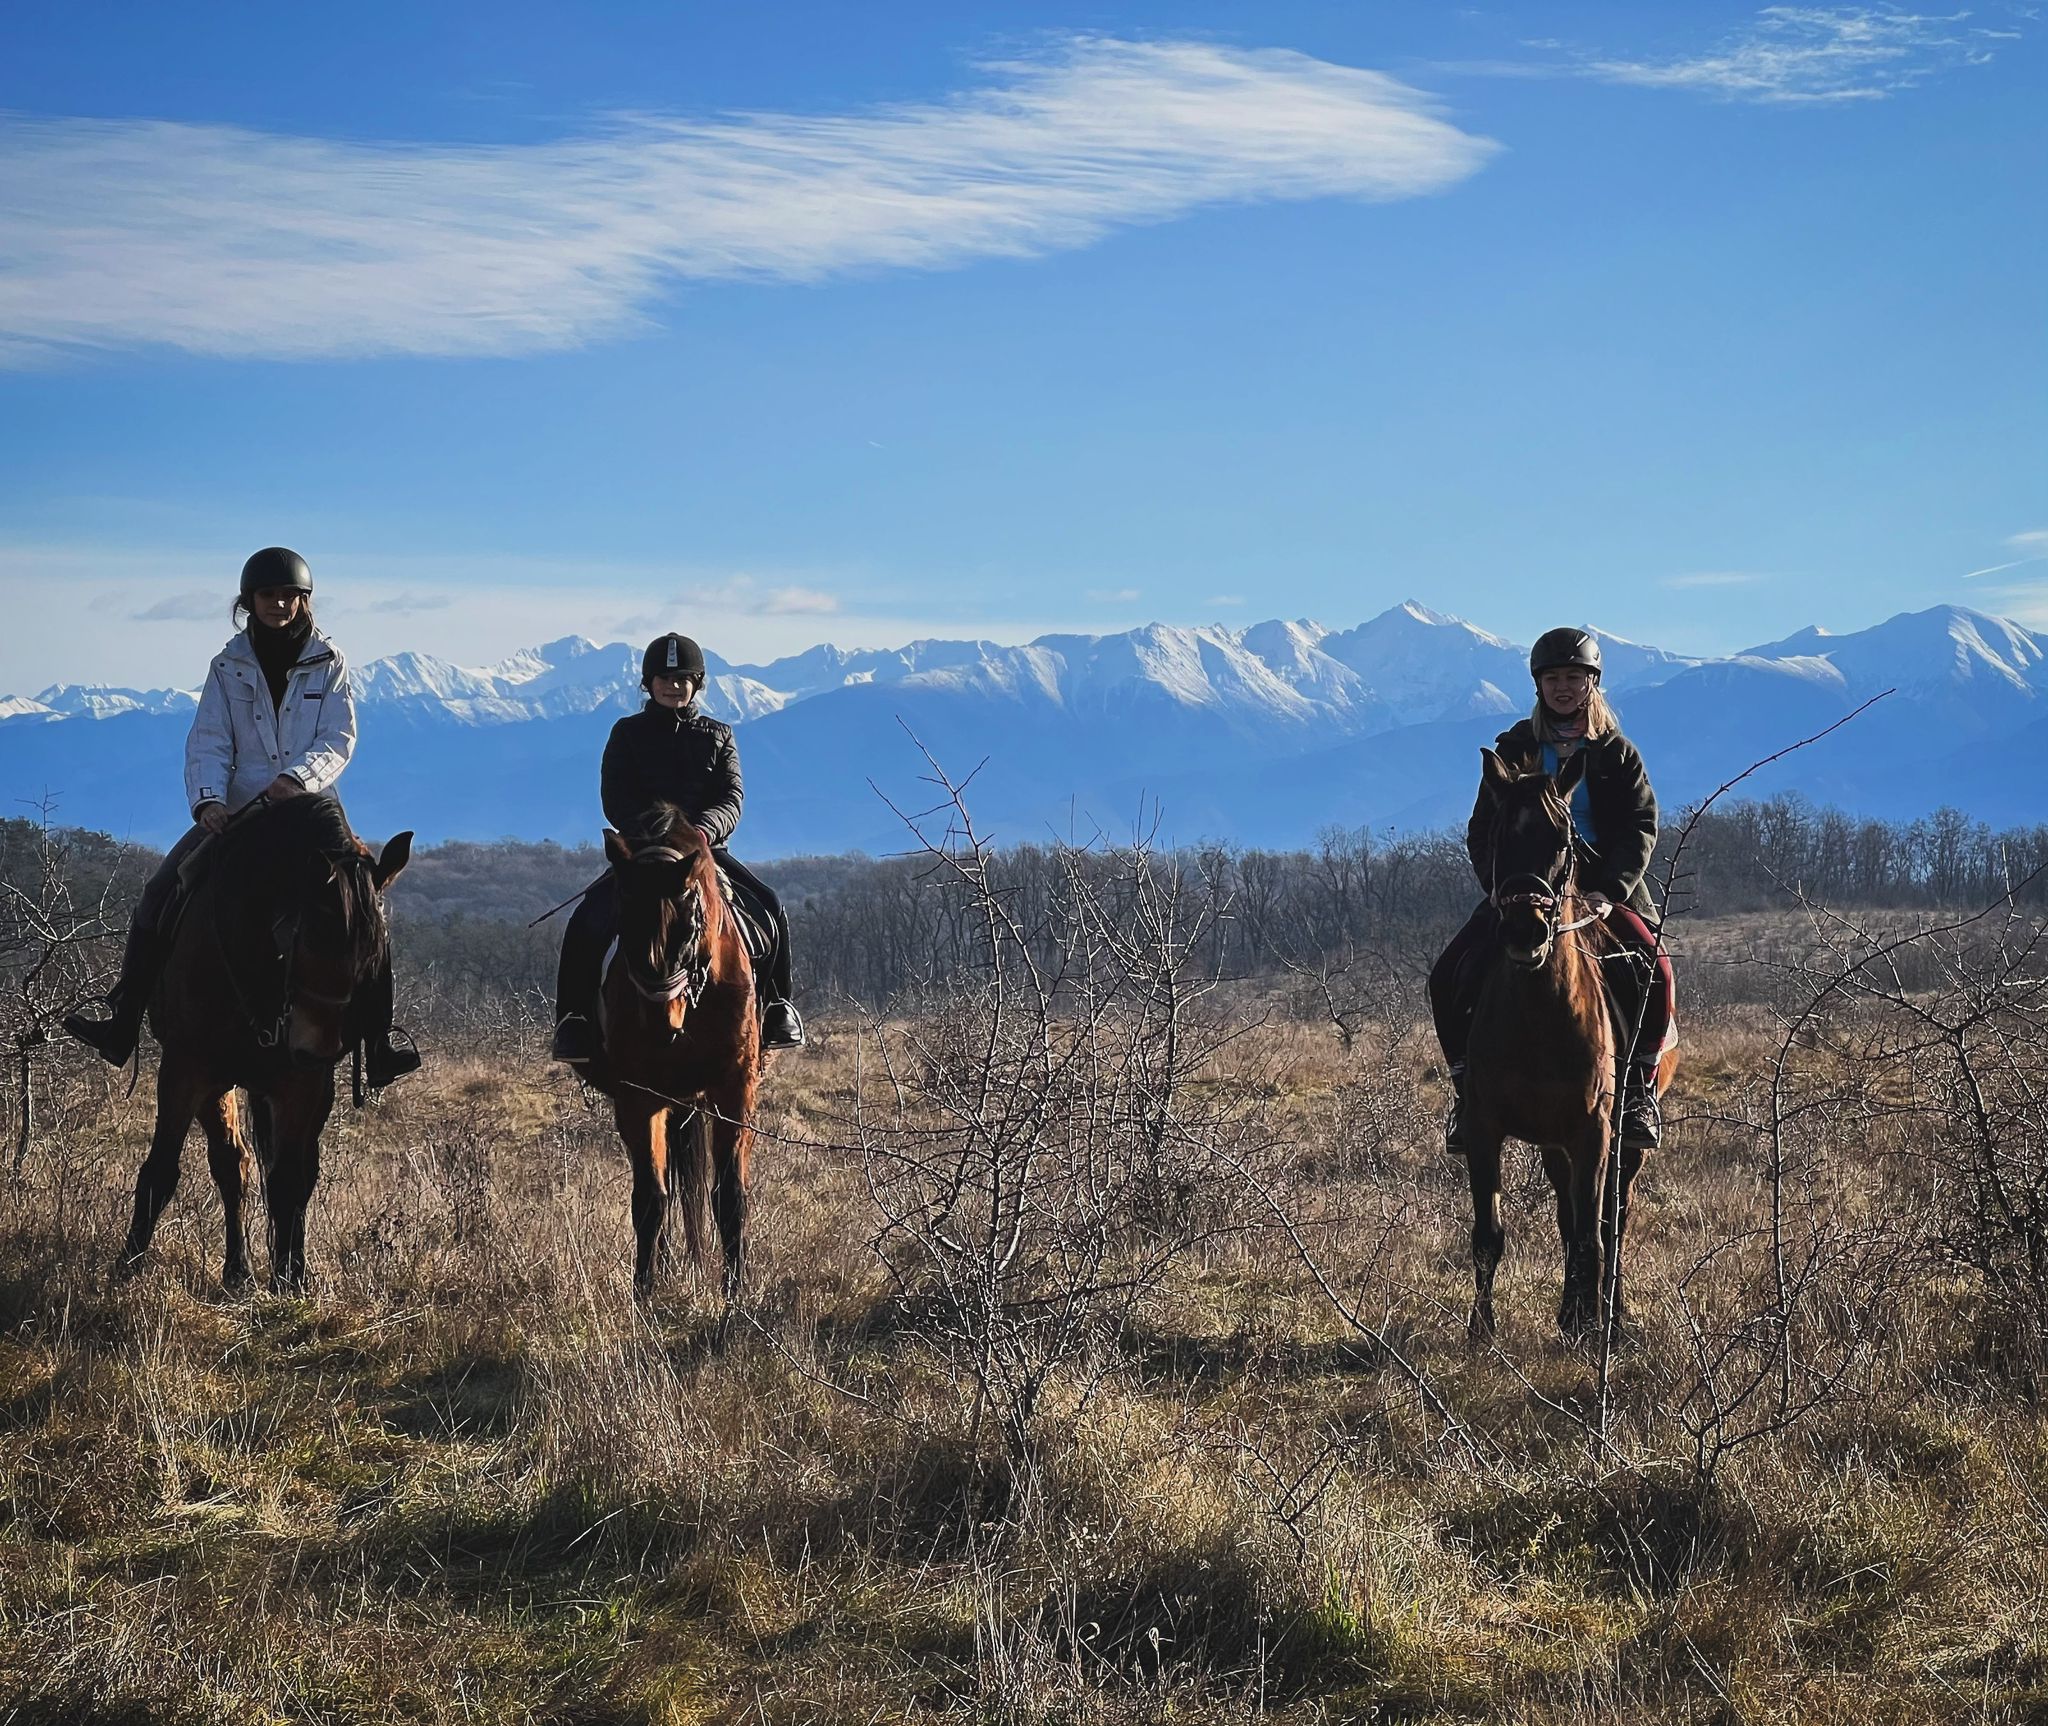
column 756, row 927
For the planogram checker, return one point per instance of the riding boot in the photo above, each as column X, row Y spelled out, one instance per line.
column 1642, row 1116
column 116, row 1035
column 383, row 1061
column 1454, row 1122
column 782, row 1026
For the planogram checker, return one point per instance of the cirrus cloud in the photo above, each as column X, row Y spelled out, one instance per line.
column 1815, row 54
column 225, row 241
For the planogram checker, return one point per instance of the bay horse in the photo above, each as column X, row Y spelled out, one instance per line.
column 1543, row 1061
column 682, row 1044
column 282, row 932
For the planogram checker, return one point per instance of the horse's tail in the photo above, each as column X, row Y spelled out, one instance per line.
column 689, row 1177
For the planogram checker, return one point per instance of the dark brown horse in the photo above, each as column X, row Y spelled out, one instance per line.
column 284, row 931
column 682, row 1045
column 1542, row 1064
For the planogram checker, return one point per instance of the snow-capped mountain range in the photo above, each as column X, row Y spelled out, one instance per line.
column 1261, row 735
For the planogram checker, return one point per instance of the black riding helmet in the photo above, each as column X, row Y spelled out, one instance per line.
column 275, row 566
column 1560, row 649
column 674, row 655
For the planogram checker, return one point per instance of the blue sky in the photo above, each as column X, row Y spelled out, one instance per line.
column 789, row 323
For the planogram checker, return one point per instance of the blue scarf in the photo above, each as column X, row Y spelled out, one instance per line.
column 1582, row 800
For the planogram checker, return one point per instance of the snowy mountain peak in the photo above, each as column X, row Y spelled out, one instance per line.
column 98, row 701
column 1946, row 646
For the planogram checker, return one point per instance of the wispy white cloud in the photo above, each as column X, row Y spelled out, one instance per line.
column 1792, row 54
column 193, row 607
column 2025, row 602
column 1224, row 601
column 1713, row 578
column 743, row 594
column 2031, row 545
column 473, row 608
column 220, row 240
column 405, row 604
column 1114, row 595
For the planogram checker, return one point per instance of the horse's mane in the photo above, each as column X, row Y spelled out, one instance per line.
column 266, row 842
column 259, row 866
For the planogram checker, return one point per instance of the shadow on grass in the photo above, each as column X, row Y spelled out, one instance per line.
column 1634, row 1535
column 1173, row 1360
column 466, row 1400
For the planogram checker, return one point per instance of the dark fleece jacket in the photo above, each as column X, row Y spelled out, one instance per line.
column 1622, row 806
column 660, row 755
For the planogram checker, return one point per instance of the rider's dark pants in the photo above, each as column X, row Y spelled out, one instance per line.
column 1454, row 982
column 156, row 897
column 594, row 925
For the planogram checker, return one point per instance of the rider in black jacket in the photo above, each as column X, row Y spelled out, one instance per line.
column 668, row 752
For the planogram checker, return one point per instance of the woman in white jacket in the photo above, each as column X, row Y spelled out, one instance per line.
column 276, row 719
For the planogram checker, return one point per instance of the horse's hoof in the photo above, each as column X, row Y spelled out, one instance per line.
column 1576, row 1322
column 128, row 1266
column 1479, row 1328
column 235, row 1281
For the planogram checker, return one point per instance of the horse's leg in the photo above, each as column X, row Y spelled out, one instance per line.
column 732, row 1137
column 299, row 1107
column 1576, row 1173
column 177, row 1099
column 228, row 1155
column 1489, row 1233
column 643, row 1125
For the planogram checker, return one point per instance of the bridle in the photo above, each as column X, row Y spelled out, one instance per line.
column 686, row 981
column 1540, row 893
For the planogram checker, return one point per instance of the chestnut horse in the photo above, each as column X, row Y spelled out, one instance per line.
column 283, row 931
column 1543, row 1061
column 682, row 1044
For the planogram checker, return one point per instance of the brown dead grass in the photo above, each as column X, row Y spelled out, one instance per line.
column 469, row 1479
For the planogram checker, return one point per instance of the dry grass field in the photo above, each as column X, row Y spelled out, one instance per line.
column 467, row 1478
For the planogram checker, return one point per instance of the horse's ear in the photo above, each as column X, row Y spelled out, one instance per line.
column 1569, row 775
column 1493, row 772
column 396, row 854
column 617, row 849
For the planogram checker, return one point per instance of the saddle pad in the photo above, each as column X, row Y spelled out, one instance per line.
column 757, row 928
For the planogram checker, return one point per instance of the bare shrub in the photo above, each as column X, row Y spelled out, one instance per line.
column 1045, row 1141
column 53, row 928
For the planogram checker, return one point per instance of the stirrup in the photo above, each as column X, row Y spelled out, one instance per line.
column 385, row 1060
column 575, row 1040
column 1642, row 1117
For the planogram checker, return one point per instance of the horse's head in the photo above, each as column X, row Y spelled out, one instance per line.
column 668, row 894
column 340, row 937
column 1531, row 852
